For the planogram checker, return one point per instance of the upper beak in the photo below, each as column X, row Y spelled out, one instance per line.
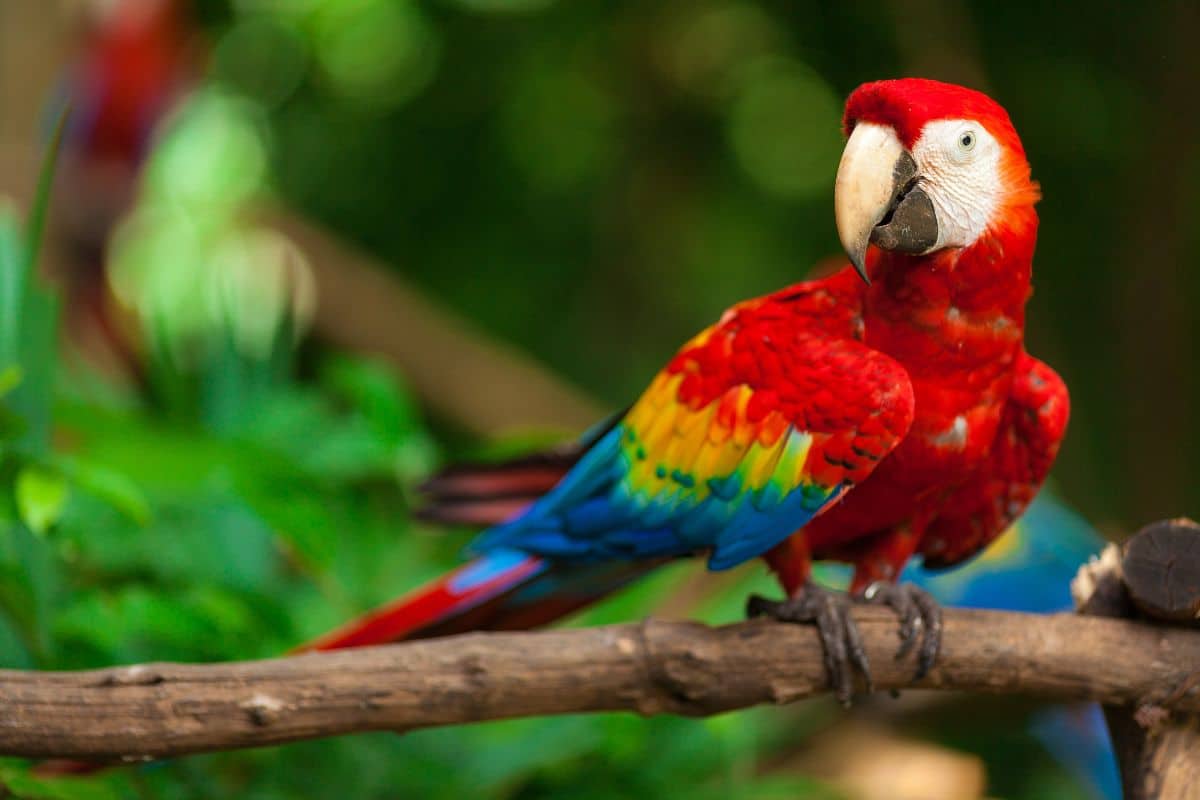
column 876, row 183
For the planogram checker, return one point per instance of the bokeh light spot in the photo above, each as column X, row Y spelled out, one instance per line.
column 263, row 58
column 784, row 128
column 703, row 49
column 377, row 53
column 559, row 127
column 157, row 270
column 212, row 156
column 258, row 279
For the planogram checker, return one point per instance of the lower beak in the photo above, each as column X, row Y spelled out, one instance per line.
column 877, row 198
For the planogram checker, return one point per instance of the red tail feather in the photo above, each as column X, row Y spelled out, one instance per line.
column 502, row 590
column 456, row 597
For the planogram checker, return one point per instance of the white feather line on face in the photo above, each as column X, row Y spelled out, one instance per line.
column 962, row 183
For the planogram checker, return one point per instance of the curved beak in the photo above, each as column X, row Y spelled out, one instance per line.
column 876, row 197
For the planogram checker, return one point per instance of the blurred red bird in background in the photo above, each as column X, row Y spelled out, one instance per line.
column 136, row 58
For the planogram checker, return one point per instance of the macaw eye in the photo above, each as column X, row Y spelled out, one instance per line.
column 966, row 141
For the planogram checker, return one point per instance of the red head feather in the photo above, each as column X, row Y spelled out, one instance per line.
column 909, row 103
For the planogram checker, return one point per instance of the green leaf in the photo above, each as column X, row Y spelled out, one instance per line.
column 41, row 496
column 10, row 378
column 38, row 353
column 12, row 426
column 375, row 392
column 12, row 284
column 112, row 784
column 36, row 228
column 19, row 607
column 30, row 579
column 107, row 485
column 298, row 515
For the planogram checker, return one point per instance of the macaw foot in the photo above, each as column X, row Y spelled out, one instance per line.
column 919, row 615
column 830, row 611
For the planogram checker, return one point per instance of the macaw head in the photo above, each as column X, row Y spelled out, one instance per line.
column 928, row 166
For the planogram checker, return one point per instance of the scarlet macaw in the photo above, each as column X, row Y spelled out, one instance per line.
column 864, row 421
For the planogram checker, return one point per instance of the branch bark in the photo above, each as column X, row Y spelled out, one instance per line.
column 161, row 710
column 1157, row 743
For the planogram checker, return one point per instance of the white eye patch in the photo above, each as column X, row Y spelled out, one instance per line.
column 959, row 162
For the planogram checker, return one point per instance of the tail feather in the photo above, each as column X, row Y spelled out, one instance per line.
column 473, row 512
column 500, row 590
column 452, row 596
column 525, row 476
column 484, row 495
column 491, row 494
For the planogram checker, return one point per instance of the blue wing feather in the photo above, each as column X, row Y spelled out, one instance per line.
column 592, row 515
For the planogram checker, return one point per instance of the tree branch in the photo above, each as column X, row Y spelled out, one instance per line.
column 1157, row 744
column 160, row 710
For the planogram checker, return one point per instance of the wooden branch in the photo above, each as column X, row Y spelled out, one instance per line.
column 1160, row 568
column 1157, row 742
column 160, row 710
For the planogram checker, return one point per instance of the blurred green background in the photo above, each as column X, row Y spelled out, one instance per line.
column 212, row 421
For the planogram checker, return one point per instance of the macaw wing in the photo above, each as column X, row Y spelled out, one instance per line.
column 1031, row 429
column 753, row 429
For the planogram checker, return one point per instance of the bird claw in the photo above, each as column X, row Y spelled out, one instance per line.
column 919, row 615
column 920, row 619
column 840, row 638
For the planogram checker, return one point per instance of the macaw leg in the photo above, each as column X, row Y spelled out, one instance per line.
column 917, row 610
column 830, row 611
column 809, row 603
column 878, row 563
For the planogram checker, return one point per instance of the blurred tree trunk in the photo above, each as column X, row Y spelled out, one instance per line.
column 479, row 383
column 936, row 39
column 1153, row 343
column 32, row 48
